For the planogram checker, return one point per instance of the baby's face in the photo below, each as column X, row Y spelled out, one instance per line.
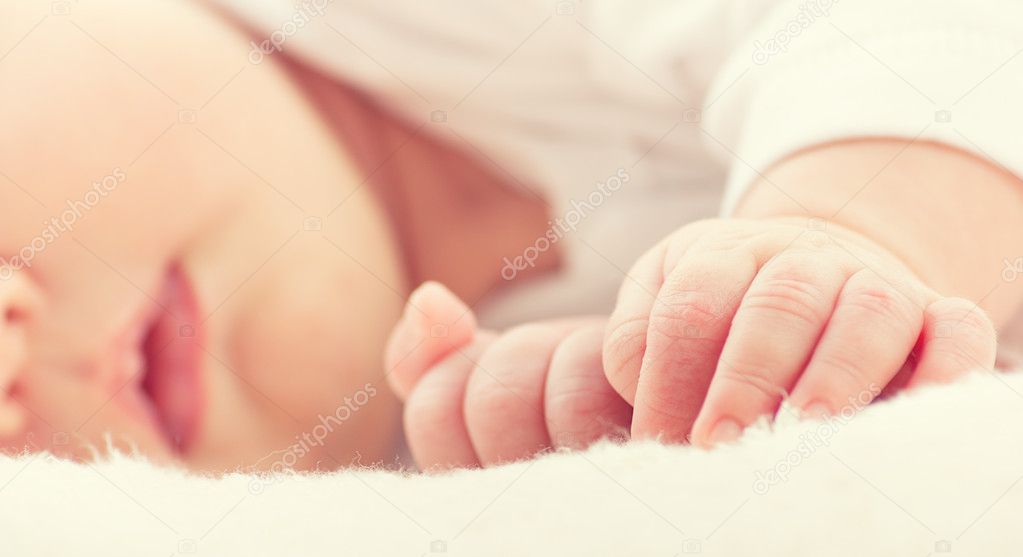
column 220, row 327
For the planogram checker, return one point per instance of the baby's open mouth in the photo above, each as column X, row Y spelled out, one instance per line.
column 171, row 380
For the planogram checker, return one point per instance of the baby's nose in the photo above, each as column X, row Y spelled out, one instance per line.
column 19, row 302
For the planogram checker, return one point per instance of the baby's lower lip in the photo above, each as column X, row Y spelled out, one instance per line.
column 172, row 379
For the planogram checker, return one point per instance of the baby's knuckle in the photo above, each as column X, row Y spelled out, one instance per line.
column 980, row 324
column 750, row 376
column 841, row 365
column 496, row 387
column 788, row 297
column 665, row 405
column 521, row 337
column 961, row 317
column 491, row 398
column 624, row 345
column 696, row 230
column 956, row 354
column 520, row 340
column 425, row 410
column 881, row 303
column 723, row 240
column 684, row 315
column 579, row 400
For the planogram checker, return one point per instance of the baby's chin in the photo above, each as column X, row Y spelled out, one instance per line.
column 115, row 428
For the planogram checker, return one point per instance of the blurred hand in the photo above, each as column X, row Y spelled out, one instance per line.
column 475, row 397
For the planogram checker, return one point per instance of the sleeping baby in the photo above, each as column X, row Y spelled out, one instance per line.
column 657, row 221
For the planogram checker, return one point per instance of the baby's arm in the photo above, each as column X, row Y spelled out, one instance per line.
column 474, row 397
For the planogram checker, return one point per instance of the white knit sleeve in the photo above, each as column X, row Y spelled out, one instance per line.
column 815, row 71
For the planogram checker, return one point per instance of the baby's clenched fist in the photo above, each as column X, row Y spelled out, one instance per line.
column 724, row 319
column 474, row 397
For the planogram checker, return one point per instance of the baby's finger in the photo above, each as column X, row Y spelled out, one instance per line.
column 580, row 405
column 957, row 338
column 772, row 336
column 435, row 323
column 870, row 336
column 688, row 326
column 434, row 414
column 625, row 340
column 504, row 396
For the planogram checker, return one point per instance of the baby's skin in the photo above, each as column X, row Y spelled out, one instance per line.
column 215, row 302
column 720, row 323
column 474, row 397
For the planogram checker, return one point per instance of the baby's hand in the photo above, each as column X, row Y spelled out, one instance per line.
column 725, row 318
column 478, row 398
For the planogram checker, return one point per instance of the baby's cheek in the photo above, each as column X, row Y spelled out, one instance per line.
column 302, row 357
column 322, row 365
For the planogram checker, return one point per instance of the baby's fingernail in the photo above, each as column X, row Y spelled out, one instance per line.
column 726, row 431
column 817, row 411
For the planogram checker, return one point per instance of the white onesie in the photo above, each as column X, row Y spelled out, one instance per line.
column 634, row 118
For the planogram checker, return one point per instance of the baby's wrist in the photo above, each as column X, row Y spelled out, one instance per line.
column 948, row 216
column 845, row 235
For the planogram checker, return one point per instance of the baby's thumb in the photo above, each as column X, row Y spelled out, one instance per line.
column 434, row 324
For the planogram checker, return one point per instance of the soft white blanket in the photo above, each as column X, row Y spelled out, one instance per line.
column 932, row 472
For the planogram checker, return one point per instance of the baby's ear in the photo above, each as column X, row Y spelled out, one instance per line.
column 19, row 303
column 435, row 324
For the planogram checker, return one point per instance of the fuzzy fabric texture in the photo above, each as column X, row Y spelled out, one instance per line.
column 935, row 471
